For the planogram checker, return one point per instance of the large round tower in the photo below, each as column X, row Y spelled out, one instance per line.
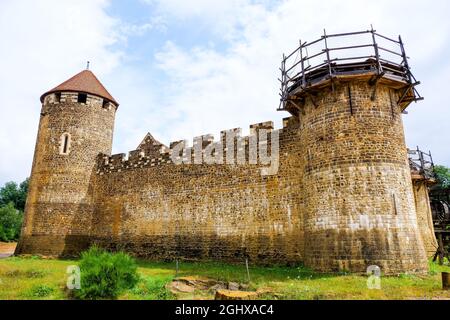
column 76, row 124
column 359, row 202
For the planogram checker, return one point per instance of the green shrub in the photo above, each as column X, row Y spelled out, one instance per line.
column 156, row 289
column 41, row 290
column 105, row 275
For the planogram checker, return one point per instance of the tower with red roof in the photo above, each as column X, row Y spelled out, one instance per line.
column 76, row 124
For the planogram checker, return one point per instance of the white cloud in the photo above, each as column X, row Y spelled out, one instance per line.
column 221, row 17
column 44, row 43
column 214, row 89
column 427, row 122
column 130, row 29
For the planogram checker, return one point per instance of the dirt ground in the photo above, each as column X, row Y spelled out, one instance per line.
column 7, row 249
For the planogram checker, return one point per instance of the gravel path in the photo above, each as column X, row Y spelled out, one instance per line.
column 7, row 249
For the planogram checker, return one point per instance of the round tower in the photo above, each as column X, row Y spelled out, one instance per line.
column 76, row 124
column 359, row 201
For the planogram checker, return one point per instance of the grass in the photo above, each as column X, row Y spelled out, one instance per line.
column 40, row 291
column 151, row 288
column 35, row 278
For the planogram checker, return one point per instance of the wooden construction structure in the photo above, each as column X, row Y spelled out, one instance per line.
column 422, row 168
column 335, row 57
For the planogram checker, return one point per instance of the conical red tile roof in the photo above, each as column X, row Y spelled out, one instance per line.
column 85, row 81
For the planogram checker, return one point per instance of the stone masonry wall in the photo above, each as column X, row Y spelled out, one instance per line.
column 424, row 216
column 359, row 203
column 160, row 210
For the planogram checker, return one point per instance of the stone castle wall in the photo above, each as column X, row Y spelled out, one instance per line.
column 342, row 198
column 424, row 217
column 157, row 209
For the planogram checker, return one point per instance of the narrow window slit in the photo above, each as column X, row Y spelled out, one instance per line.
column 64, row 147
column 66, row 142
column 350, row 100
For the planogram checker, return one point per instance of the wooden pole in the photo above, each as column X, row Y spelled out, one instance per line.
column 303, row 65
column 441, row 249
column 248, row 272
column 445, row 280
column 377, row 53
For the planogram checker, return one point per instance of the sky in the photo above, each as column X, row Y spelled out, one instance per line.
column 180, row 69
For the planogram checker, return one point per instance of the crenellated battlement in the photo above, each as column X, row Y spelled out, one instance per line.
column 136, row 159
column 151, row 153
column 73, row 97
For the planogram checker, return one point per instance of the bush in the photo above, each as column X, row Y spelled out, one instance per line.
column 105, row 275
column 41, row 290
column 10, row 222
column 157, row 290
column 154, row 289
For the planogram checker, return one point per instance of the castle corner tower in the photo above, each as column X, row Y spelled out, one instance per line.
column 349, row 92
column 76, row 124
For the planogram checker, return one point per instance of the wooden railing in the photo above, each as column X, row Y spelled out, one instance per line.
column 340, row 54
column 422, row 163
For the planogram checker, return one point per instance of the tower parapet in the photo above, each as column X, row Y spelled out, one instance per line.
column 336, row 58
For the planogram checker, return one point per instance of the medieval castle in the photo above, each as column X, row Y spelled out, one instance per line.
column 343, row 196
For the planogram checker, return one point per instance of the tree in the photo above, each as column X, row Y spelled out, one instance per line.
column 10, row 222
column 12, row 205
column 442, row 176
column 17, row 194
